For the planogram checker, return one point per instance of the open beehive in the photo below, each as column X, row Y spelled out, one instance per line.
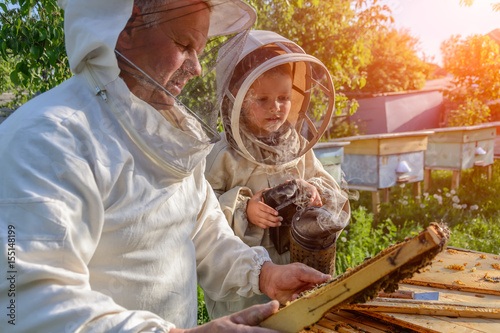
column 363, row 282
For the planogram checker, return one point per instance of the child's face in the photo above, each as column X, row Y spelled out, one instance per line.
column 267, row 103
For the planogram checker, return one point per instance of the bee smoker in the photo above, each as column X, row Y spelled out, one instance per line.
column 312, row 243
column 283, row 198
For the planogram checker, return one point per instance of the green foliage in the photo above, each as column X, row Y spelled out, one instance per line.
column 336, row 32
column 5, row 82
column 474, row 200
column 472, row 214
column 202, row 309
column 32, row 46
column 474, row 63
column 342, row 128
column 395, row 65
column 364, row 238
column 494, row 6
column 473, row 112
column 360, row 242
column 477, row 234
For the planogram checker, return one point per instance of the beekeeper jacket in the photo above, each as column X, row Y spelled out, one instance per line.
column 235, row 179
column 106, row 219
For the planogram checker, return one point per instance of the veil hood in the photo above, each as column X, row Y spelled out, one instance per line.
column 92, row 28
column 312, row 98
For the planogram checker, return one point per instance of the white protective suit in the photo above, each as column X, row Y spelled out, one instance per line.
column 107, row 222
column 237, row 168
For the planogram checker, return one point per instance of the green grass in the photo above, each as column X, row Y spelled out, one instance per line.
column 472, row 213
column 202, row 309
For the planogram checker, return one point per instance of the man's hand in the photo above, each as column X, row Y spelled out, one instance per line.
column 260, row 214
column 285, row 282
column 242, row 321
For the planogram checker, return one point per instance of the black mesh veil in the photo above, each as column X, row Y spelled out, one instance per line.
column 196, row 106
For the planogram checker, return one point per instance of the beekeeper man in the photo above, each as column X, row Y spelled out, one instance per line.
column 106, row 220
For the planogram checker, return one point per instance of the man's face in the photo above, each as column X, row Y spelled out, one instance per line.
column 168, row 51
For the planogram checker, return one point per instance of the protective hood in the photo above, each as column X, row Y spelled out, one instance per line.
column 92, row 29
column 312, row 100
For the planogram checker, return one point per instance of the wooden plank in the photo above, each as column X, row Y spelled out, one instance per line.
column 363, row 147
column 478, row 274
column 436, row 308
column 417, row 190
column 386, row 194
column 455, row 325
column 480, row 134
column 339, row 321
column 462, row 135
column 427, row 179
column 363, row 281
column 359, row 321
column 320, row 329
column 376, row 202
column 396, row 146
column 392, row 318
column 448, row 136
column 420, row 323
column 455, row 179
column 387, row 146
column 455, row 296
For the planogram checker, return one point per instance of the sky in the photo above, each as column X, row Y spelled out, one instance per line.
column 433, row 21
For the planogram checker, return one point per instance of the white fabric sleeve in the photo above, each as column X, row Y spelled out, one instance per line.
column 226, row 266
column 56, row 213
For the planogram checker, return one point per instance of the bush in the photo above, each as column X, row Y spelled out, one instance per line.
column 473, row 112
column 202, row 309
column 472, row 201
column 364, row 238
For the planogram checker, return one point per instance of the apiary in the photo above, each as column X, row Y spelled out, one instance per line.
column 460, row 148
column 467, row 285
column 331, row 156
column 363, row 282
column 381, row 161
column 417, row 285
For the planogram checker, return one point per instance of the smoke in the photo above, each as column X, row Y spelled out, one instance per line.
column 335, row 202
column 334, row 214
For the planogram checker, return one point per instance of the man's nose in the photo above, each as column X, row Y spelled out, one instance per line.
column 192, row 65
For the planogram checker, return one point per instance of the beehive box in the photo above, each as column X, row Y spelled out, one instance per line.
column 460, row 148
column 370, row 161
column 331, row 156
column 469, row 300
column 496, row 147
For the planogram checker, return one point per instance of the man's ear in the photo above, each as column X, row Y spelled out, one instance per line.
column 126, row 35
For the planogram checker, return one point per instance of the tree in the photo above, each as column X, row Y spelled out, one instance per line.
column 334, row 31
column 468, row 3
column 472, row 112
column 395, row 65
column 475, row 64
column 31, row 37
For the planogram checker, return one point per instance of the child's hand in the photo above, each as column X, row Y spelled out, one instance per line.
column 260, row 214
column 311, row 191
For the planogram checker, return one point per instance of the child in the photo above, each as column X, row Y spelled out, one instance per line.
column 277, row 105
